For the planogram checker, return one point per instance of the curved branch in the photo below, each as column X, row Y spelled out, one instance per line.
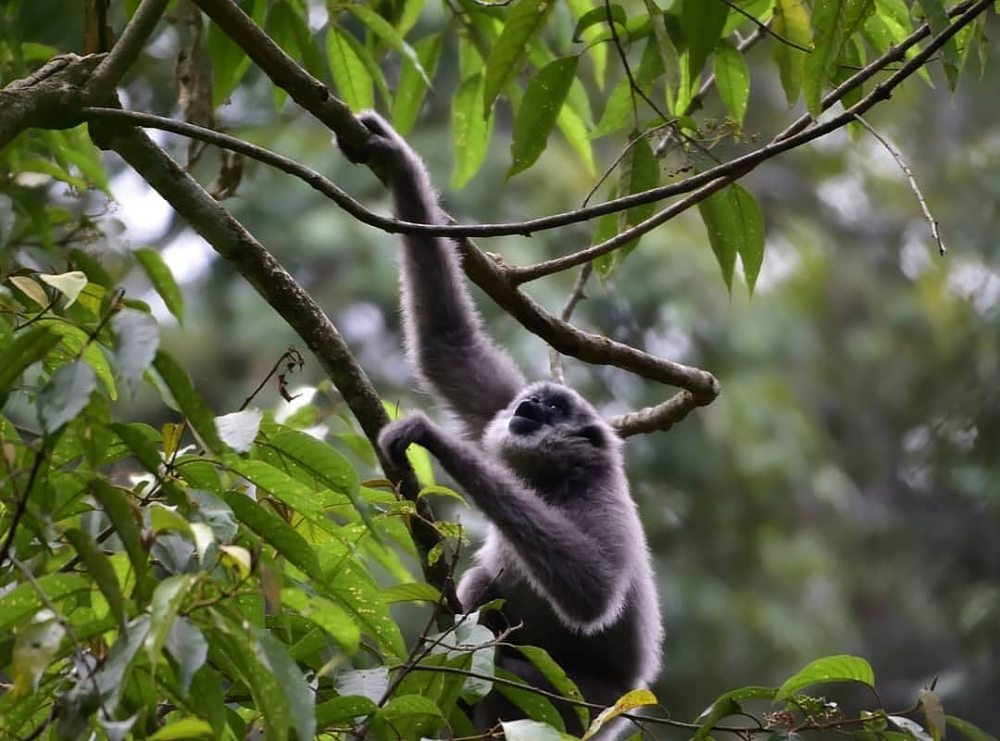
column 125, row 51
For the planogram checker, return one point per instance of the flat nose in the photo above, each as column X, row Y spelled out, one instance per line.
column 529, row 409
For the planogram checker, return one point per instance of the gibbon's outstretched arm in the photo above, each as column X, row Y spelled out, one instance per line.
column 451, row 354
column 574, row 568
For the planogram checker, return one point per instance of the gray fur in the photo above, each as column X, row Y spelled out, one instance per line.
column 565, row 546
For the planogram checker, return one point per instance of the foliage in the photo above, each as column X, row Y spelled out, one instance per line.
column 224, row 575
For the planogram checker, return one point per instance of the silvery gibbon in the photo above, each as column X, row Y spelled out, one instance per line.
column 565, row 548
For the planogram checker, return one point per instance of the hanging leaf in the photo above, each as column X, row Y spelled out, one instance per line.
column 525, row 20
column 732, row 79
column 791, row 22
column 239, row 429
column 735, row 225
column 833, row 22
column 538, row 112
column 412, row 87
column 349, row 72
column 163, row 281
column 470, row 132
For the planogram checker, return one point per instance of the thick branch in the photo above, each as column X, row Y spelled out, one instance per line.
column 234, row 243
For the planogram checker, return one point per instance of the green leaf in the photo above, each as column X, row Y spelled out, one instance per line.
column 834, row 22
column 167, row 599
column 137, row 340
column 937, row 19
column 470, row 131
column 525, row 20
column 575, row 131
column 350, row 584
column 701, row 25
column 239, row 429
column 100, row 570
column 245, row 653
column 183, row 728
column 344, row 709
column 75, row 343
column 126, row 521
column 163, row 280
column 968, row 730
column 735, row 226
column 732, row 79
column 384, row 30
column 190, row 402
column 23, row 600
column 349, row 72
column 301, row 697
column 317, row 464
column 414, row 592
column 413, row 716
column 328, row 615
column 412, row 87
column 65, row 395
column 619, row 109
column 304, row 499
column 557, row 677
column 529, row 730
column 728, row 704
column 229, row 61
column 28, row 348
column 538, row 112
column 599, row 15
column 278, row 533
column 842, row 668
column 791, row 21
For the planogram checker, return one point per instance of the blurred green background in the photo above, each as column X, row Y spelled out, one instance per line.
column 841, row 496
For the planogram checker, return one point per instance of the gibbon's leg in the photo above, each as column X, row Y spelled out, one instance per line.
column 578, row 571
column 452, row 355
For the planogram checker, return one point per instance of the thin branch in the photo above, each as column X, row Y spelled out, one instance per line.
column 125, row 51
column 576, row 295
column 911, row 179
column 22, row 502
column 765, row 28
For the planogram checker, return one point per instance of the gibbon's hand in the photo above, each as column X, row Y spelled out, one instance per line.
column 397, row 436
column 383, row 144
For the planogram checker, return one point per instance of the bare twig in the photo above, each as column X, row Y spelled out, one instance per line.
column 911, row 179
column 576, row 295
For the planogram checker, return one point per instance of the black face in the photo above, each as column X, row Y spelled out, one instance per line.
column 537, row 411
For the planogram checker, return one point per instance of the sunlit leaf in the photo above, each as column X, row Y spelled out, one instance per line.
column 732, row 79
column 791, row 22
column 524, row 21
column 183, row 728
column 470, row 131
column 68, row 284
column 349, row 72
column 842, row 668
column 631, row 701
column 239, row 429
column 163, row 281
column 412, row 87
column 833, row 23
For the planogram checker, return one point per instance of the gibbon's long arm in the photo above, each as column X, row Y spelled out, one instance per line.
column 574, row 568
column 451, row 353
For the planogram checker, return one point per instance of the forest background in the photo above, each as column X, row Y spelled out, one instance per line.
column 840, row 496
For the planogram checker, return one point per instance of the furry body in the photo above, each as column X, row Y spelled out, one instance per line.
column 565, row 547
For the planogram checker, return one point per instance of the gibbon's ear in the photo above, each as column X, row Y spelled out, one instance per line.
column 595, row 435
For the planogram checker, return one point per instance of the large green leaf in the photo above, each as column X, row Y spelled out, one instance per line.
column 732, row 79
column 276, row 532
column 29, row 347
column 833, row 22
column 350, row 74
column 701, row 24
column 190, row 402
column 126, row 520
column 791, row 21
column 328, row 615
column 412, row 87
column 470, row 131
column 22, row 601
column 842, row 668
column 538, row 112
column 99, row 568
column 301, row 697
column 525, row 20
column 735, row 225
column 162, row 279
column 937, row 18
column 384, row 30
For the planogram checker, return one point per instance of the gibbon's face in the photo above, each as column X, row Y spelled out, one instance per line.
column 547, row 420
